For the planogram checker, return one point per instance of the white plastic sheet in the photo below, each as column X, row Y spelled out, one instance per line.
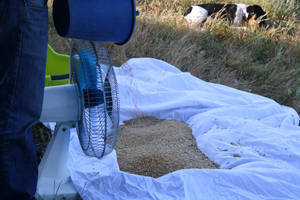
column 255, row 140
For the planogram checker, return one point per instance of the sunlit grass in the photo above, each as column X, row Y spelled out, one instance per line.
column 264, row 61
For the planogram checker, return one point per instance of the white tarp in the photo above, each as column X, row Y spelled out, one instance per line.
column 255, row 141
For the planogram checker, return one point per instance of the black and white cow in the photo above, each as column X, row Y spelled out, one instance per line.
column 235, row 13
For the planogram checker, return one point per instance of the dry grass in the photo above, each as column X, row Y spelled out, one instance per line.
column 263, row 61
column 41, row 136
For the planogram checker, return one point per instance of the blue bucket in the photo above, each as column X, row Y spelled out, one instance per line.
column 97, row 20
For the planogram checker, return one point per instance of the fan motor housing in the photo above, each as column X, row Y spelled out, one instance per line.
column 61, row 104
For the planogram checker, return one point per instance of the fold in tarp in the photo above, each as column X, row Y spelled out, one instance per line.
column 255, row 141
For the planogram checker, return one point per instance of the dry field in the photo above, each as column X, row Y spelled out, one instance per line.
column 265, row 61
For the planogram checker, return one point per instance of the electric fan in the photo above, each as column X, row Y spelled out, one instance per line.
column 90, row 104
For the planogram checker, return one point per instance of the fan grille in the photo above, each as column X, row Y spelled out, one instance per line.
column 92, row 72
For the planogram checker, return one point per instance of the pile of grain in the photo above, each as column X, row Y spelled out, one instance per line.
column 153, row 147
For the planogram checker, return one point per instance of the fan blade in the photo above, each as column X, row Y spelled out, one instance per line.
column 88, row 60
column 92, row 97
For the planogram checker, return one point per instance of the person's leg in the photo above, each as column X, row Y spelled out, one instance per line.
column 23, row 47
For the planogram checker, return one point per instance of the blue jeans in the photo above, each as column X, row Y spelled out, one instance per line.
column 23, row 49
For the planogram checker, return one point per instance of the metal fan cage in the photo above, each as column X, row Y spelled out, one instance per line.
column 92, row 72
